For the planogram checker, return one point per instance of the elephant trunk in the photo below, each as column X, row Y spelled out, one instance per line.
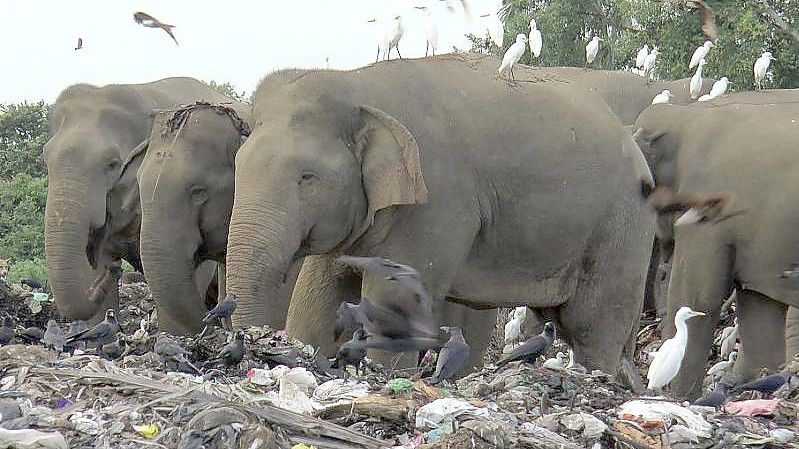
column 170, row 266
column 70, row 240
column 262, row 245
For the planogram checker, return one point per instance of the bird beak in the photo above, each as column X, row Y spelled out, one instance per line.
column 689, row 217
column 697, row 313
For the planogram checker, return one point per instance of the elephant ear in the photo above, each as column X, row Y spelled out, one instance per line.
column 127, row 186
column 390, row 162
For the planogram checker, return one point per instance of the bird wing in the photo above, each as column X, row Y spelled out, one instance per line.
column 536, row 42
column 532, row 347
column 140, row 17
column 666, row 364
column 168, row 29
column 708, row 18
column 718, row 367
column 699, row 53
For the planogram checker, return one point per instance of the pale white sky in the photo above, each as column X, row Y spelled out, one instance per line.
column 232, row 40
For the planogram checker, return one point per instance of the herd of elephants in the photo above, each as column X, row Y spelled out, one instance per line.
column 500, row 193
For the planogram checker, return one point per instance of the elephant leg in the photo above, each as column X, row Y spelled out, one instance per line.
column 221, row 272
column 700, row 279
column 761, row 330
column 792, row 333
column 321, row 286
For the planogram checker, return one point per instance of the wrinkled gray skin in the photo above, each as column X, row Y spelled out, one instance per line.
column 495, row 206
column 92, row 213
column 186, row 191
column 743, row 145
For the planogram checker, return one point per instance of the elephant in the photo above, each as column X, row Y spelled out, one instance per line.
column 92, row 212
column 719, row 148
column 500, row 194
column 186, row 194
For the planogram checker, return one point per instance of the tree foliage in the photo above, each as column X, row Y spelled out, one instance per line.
column 22, row 200
column 228, row 90
column 23, row 132
column 745, row 31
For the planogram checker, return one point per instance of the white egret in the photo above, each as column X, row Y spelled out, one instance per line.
column 591, row 50
column 649, row 62
column 380, row 35
column 641, row 56
column 696, row 80
column 727, row 339
column 723, row 366
column 513, row 328
column 705, row 97
column 668, row 357
column 574, row 366
column 761, row 68
column 557, row 363
column 513, row 54
column 496, row 29
column 699, row 54
column 719, row 87
column 663, row 97
column 394, row 36
column 536, row 40
column 430, row 29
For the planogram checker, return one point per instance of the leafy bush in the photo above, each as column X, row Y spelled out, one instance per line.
column 34, row 268
column 23, row 133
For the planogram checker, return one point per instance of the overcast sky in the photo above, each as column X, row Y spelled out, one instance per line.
column 237, row 41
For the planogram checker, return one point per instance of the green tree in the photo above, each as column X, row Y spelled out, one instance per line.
column 745, row 30
column 23, row 132
column 229, row 90
column 22, row 201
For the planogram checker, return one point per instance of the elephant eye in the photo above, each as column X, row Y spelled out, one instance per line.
column 112, row 165
column 306, row 177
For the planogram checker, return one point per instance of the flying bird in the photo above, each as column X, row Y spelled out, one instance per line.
column 80, row 44
column 149, row 21
column 641, row 56
column 663, row 97
column 394, row 36
column 699, row 54
column 792, row 274
column 350, row 316
column 696, row 80
column 719, row 87
column 694, row 209
column 349, row 353
column 6, row 330
column 668, row 358
column 430, row 30
column 761, row 68
column 54, row 336
column 591, row 50
column 404, row 274
column 723, row 366
column 716, row 398
column 708, row 18
column 536, row 40
column 453, row 357
column 530, row 350
column 496, row 29
column 649, row 62
column 102, row 333
column 767, row 385
column 513, row 55
column 233, row 352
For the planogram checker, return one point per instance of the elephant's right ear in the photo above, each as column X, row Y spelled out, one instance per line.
column 127, row 178
column 390, row 162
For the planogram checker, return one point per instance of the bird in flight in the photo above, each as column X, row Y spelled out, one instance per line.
column 149, row 21
column 80, row 44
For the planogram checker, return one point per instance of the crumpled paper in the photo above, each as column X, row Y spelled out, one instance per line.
column 591, row 426
column 296, row 386
column 445, row 410
column 31, row 439
column 337, row 391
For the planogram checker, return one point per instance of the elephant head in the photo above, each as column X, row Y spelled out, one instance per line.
column 88, row 206
column 309, row 180
column 186, row 189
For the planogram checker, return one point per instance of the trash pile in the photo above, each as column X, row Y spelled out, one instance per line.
column 283, row 394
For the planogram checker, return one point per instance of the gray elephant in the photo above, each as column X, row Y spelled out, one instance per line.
column 500, row 194
column 186, row 193
column 742, row 145
column 92, row 212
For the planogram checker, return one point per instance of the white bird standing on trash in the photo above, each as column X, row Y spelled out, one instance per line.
column 496, row 29
column 663, row 97
column 761, row 68
column 723, row 366
column 719, row 87
column 536, row 40
column 641, row 56
column 696, row 80
column 556, row 363
column 513, row 55
column 591, row 50
column 699, row 54
column 668, row 359
column 649, row 62
column 430, row 29
column 397, row 30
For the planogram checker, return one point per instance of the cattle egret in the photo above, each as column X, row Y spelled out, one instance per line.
column 719, row 87
column 394, row 36
column 696, row 80
column 728, row 337
column 669, row 356
column 705, row 97
column 572, row 365
column 430, row 29
column 496, row 29
column 641, row 56
column 513, row 328
column 649, row 62
column 723, row 366
column 536, row 40
column 761, row 67
column 663, row 97
column 591, row 50
column 556, row 363
column 513, row 54
column 700, row 52
column 380, row 35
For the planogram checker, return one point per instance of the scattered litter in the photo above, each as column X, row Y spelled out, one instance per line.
column 400, row 385
column 31, row 439
column 753, row 407
column 444, row 411
column 591, row 426
column 148, row 431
